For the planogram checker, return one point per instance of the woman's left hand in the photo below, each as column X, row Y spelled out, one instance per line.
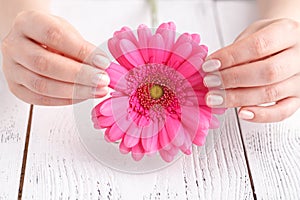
column 261, row 66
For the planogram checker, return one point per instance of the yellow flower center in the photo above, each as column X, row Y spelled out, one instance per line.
column 156, row 91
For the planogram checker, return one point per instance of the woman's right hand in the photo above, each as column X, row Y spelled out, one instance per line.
column 44, row 56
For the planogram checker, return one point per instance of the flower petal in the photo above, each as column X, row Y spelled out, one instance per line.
column 116, row 72
column 168, row 33
column 96, row 110
column 214, row 123
column 196, row 81
column 114, row 133
column 190, row 121
column 218, row 111
column 105, row 108
column 126, row 33
column 175, row 131
column 205, row 117
column 200, row 137
column 164, row 139
column 173, row 150
column 131, row 53
column 149, row 138
column 115, row 49
column 132, row 136
column 156, row 49
column 196, row 38
column 166, row 156
column 130, row 141
column 137, row 152
column 123, row 149
column 104, row 121
column 144, row 35
column 180, row 54
column 190, row 67
column 186, row 147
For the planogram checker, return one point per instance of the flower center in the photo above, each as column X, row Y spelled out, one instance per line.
column 151, row 95
column 156, row 91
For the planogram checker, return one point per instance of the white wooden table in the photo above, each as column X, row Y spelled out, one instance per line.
column 41, row 156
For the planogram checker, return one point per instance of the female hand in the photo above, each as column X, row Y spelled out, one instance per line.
column 261, row 66
column 44, row 56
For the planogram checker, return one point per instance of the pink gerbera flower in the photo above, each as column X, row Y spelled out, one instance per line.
column 158, row 100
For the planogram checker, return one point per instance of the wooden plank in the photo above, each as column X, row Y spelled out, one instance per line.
column 59, row 167
column 13, row 126
column 274, row 154
column 273, row 149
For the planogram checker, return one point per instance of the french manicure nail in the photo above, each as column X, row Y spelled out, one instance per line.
column 101, row 80
column 211, row 65
column 101, row 61
column 212, row 81
column 245, row 114
column 214, row 100
column 99, row 92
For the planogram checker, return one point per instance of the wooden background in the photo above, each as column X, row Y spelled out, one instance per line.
column 41, row 156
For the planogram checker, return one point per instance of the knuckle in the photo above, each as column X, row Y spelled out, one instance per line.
column 233, row 57
column 45, row 101
column 260, row 45
column 24, row 13
column 272, row 72
column 262, row 115
column 234, row 79
column 271, row 94
column 231, row 99
column 39, row 85
column 289, row 24
column 53, row 34
column 40, row 63
column 4, row 44
column 83, row 52
column 20, row 18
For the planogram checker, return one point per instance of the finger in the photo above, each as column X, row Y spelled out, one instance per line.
column 265, row 72
column 52, row 88
column 255, row 95
column 56, row 34
column 30, row 97
column 263, row 43
column 56, row 66
column 278, row 112
column 254, row 27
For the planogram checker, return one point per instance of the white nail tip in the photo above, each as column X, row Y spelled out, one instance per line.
column 101, row 79
column 214, row 100
column 211, row 65
column 245, row 114
column 212, row 81
column 101, row 61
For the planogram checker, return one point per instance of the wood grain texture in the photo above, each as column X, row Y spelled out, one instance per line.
column 59, row 167
column 273, row 150
column 13, row 125
column 274, row 154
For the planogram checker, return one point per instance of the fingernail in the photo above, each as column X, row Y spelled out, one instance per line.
column 214, row 100
column 212, row 81
column 245, row 114
column 211, row 65
column 101, row 80
column 101, row 61
column 99, row 92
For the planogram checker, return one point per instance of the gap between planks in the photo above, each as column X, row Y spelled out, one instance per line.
column 220, row 35
column 25, row 153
